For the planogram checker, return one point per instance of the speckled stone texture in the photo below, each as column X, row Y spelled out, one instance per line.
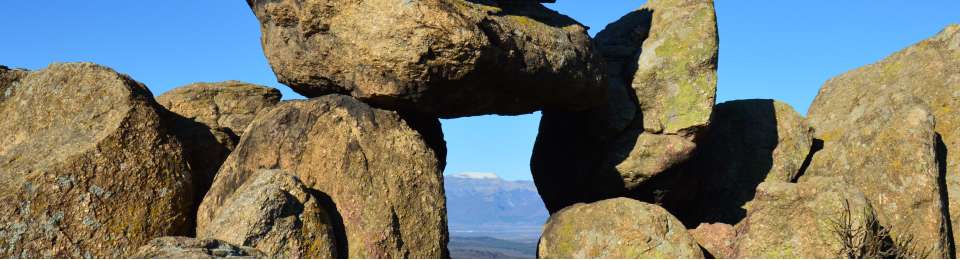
column 382, row 170
column 797, row 220
column 447, row 58
column 191, row 248
column 89, row 165
column 892, row 156
column 211, row 119
column 277, row 215
column 616, row 228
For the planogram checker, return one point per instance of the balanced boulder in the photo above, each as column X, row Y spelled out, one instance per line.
column 277, row 215
column 381, row 169
column 191, row 248
column 212, row 117
column 449, row 58
column 801, row 220
column 89, row 165
column 661, row 69
column 616, row 228
column 901, row 158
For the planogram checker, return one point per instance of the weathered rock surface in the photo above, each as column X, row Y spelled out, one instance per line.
column 447, row 58
column 798, row 220
column 191, row 248
column 277, row 215
column 213, row 116
column 616, row 228
column 661, row 66
column 89, row 166
column 717, row 239
column 895, row 159
column 381, row 170
column 749, row 142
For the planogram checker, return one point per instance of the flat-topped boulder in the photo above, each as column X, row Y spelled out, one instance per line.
column 89, row 165
column 448, row 58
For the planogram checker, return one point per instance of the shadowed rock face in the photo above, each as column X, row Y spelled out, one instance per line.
column 212, row 117
column 276, row 214
column 616, row 228
column 749, row 142
column 191, row 248
column 797, row 220
column 661, row 68
column 381, row 171
column 846, row 114
column 448, row 58
column 89, row 166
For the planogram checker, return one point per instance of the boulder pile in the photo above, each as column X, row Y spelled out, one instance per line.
column 633, row 158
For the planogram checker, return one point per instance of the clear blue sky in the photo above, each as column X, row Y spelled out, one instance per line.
column 768, row 49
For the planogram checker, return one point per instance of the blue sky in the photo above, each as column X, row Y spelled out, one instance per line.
column 768, row 49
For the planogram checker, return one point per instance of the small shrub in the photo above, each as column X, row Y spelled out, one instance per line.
column 870, row 240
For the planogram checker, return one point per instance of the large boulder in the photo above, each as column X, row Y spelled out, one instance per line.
column 89, row 165
column 191, row 248
column 441, row 57
column 212, row 117
column 661, row 67
column 801, row 220
column 749, row 142
column 616, row 228
column 277, row 215
column 900, row 159
column 381, row 170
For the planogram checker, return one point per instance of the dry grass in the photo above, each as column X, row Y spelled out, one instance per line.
column 870, row 240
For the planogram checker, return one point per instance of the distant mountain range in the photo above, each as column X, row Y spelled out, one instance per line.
column 490, row 217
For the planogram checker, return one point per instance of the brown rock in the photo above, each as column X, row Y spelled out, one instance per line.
column 661, row 62
column 900, row 163
column 191, row 248
column 446, row 58
column 90, row 167
column 381, row 169
column 277, row 215
column 212, row 117
column 717, row 239
column 749, row 142
column 616, row 228
column 798, row 220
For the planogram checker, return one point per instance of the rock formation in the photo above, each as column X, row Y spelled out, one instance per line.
column 661, row 66
column 191, row 248
column 277, row 215
column 90, row 166
column 212, row 118
column 798, row 220
column 616, row 228
column 380, row 169
column 749, row 142
column 888, row 146
column 447, row 58
column 888, row 149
